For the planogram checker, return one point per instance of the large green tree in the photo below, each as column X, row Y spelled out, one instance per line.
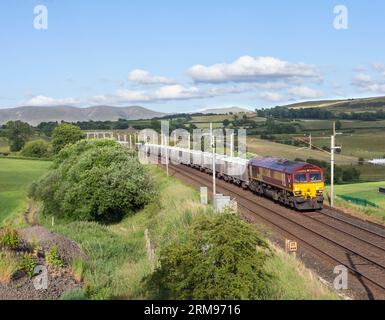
column 94, row 181
column 18, row 133
column 65, row 134
column 220, row 257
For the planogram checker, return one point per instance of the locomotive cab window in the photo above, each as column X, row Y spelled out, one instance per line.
column 315, row 177
column 300, row 178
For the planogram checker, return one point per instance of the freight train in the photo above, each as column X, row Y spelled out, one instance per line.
column 298, row 185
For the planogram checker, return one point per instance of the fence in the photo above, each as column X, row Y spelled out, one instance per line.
column 358, row 201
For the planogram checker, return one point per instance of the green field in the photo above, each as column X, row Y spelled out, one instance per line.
column 15, row 177
column 367, row 191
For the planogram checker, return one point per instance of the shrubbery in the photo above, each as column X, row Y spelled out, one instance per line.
column 221, row 257
column 94, row 181
column 37, row 149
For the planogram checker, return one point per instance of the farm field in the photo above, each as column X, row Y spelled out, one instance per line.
column 268, row 148
column 15, row 178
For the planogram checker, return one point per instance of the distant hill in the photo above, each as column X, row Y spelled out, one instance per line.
column 350, row 105
column 225, row 110
column 36, row 115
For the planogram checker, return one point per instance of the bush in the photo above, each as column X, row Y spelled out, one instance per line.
column 10, row 238
column 53, row 258
column 94, row 181
column 64, row 135
column 37, row 149
column 220, row 257
column 28, row 264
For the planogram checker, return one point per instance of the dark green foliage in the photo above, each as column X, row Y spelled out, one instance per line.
column 94, row 181
column 220, row 257
column 53, row 258
column 28, row 264
column 321, row 114
column 278, row 128
column 65, row 134
column 18, row 133
column 37, row 149
column 47, row 127
column 351, row 174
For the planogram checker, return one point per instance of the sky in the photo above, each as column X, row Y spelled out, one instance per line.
column 182, row 56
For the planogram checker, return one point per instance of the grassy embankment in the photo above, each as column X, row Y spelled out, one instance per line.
column 15, row 178
column 118, row 259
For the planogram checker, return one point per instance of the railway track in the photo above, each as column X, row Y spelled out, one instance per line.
column 360, row 248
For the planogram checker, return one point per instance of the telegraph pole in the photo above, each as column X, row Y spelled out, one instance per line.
column 166, row 145
column 213, row 164
column 310, row 142
column 332, row 149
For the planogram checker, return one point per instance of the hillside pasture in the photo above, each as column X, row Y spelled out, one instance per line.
column 367, row 145
column 268, row 148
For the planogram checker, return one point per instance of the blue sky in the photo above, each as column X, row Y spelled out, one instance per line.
column 175, row 56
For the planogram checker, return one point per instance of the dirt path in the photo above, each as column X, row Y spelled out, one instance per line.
column 31, row 215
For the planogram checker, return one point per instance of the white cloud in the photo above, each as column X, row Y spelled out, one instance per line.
column 146, row 78
column 44, row 101
column 165, row 93
column 271, row 96
column 366, row 83
column 304, row 92
column 362, row 80
column 250, row 69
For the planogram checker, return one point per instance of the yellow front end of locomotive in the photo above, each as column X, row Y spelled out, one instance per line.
column 309, row 190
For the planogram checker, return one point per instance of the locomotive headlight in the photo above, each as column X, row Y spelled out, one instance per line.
column 320, row 191
column 297, row 192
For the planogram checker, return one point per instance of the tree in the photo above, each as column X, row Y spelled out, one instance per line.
column 47, row 127
column 220, row 257
column 37, row 149
column 338, row 125
column 65, row 134
column 226, row 122
column 94, row 181
column 18, row 133
column 361, row 161
column 351, row 174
